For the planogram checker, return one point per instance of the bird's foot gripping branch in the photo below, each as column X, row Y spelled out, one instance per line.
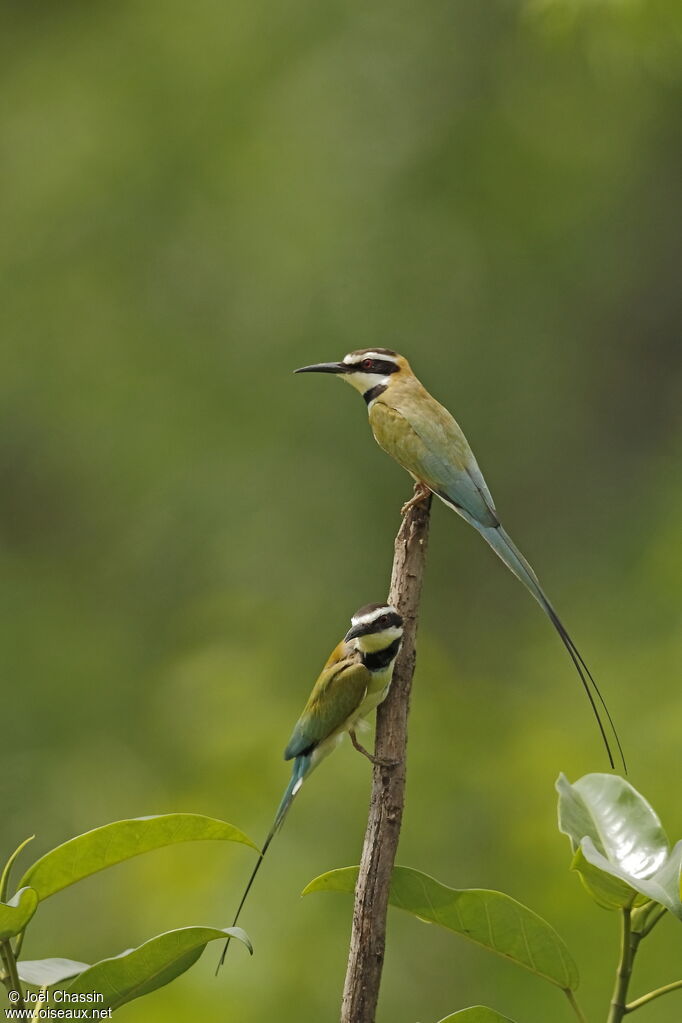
column 625, row 862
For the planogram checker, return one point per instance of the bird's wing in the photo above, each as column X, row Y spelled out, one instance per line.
column 341, row 652
column 433, row 448
column 336, row 695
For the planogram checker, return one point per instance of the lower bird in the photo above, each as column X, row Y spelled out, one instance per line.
column 353, row 682
column 420, row 434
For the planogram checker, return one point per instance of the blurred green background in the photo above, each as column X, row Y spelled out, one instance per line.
column 195, row 200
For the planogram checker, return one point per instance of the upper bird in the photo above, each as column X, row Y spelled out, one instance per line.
column 353, row 682
column 415, row 429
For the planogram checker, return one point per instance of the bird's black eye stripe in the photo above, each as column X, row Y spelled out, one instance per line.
column 382, row 367
column 382, row 623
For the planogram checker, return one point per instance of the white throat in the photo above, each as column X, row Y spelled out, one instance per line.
column 364, row 382
column 375, row 641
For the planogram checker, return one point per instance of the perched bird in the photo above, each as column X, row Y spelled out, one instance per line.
column 415, row 429
column 354, row 681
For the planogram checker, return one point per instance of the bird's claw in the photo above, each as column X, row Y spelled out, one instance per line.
column 421, row 493
column 377, row 761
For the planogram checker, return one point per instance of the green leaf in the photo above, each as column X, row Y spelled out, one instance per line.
column 612, row 888
column 607, row 890
column 620, row 822
column 141, row 970
column 491, row 919
column 44, row 972
column 95, row 850
column 15, row 914
column 4, row 880
column 664, row 886
column 621, row 851
column 477, row 1014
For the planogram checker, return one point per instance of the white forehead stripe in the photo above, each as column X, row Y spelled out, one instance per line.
column 373, row 615
column 351, row 358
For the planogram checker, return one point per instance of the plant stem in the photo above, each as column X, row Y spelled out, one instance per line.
column 574, row 1005
column 6, row 979
column 39, row 1004
column 628, row 949
column 645, row 999
column 368, row 937
column 11, row 981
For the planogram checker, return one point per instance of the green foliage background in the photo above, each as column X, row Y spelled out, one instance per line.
column 195, row 199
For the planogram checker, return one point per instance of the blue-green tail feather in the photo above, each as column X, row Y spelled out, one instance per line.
column 301, row 768
column 505, row 549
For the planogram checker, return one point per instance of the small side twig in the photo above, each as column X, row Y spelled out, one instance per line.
column 645, row 999
column 368, row 938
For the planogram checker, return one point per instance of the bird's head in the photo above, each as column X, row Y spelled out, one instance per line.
column 369, row 370
column 375, row 627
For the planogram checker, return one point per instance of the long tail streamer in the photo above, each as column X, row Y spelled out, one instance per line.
column 300, row 769
column 505, row 549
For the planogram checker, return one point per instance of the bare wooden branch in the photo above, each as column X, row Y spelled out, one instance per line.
column 368, row 938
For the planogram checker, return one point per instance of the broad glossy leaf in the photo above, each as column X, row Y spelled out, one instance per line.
column 141, row 970
column 103, row 847
column 15, row 914
column 664, row 886
column 619, row 821
column 477, row 1014
column 607, row 889
column 621, row 851
column 491, row 919
column 44, row 972
column 613, row 888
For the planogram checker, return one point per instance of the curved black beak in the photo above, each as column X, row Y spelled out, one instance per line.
column 357, row 630
column 324, row 367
